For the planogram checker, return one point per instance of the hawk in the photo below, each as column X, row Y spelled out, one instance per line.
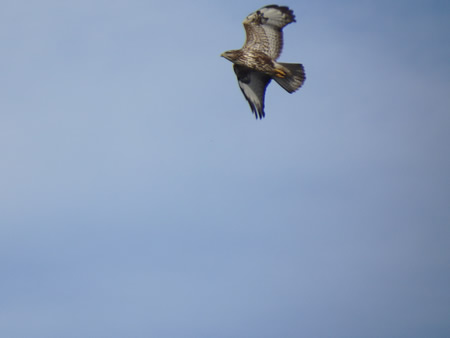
column 255, row 63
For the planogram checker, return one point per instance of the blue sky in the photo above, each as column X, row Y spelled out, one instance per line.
column 140, row 198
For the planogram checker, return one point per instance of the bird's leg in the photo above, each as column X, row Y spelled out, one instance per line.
column 280, row 73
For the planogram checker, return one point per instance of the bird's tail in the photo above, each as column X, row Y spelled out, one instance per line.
column 294, row 80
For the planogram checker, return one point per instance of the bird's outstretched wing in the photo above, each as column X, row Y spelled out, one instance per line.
column 264, row 29
column 253, row 85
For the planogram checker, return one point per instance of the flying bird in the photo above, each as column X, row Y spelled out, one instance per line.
column 255, row 63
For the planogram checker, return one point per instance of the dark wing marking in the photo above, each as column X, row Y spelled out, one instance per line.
column 253, row 85
column 264, row 29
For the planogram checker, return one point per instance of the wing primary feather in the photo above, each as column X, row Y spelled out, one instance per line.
column 253, row 85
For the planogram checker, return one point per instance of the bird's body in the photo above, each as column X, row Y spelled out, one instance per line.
column 255, row 63
column 253, row 59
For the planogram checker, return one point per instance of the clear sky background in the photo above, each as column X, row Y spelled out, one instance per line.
column 139, row 197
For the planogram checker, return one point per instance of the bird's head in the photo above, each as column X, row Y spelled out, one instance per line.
column 230, row 55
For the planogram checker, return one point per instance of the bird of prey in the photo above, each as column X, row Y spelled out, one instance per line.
column 255, row 63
